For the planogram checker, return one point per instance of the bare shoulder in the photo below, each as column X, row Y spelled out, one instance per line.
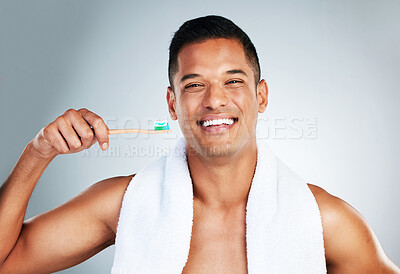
column 350, row 244
column 70, row 233
column 105, row 198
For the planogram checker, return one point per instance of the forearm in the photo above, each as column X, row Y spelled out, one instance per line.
column 14, row 197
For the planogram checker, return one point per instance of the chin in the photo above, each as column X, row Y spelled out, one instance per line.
column 223, row 145
column 213, row 149
column 217, row 150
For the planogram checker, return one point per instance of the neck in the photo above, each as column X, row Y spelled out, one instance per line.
column 223, row 182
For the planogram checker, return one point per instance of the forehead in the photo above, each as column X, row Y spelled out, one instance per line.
column 213, row 55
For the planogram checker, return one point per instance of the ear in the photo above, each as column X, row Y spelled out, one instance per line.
column 262, row 96
column 171, row 103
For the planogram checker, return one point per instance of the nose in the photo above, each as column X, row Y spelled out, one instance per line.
column 215, row 97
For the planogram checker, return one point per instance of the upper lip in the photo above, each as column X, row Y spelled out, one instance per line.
column 216, row 117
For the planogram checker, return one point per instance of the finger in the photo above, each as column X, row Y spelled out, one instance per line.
column 68, row 133
column 94, row 140
column 80, row 126
column 46, row 141
column 100, row 128
column 53, row 136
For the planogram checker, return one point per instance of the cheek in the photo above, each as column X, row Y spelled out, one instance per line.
column 188, row 105
column 248, row 105
column 183, row 111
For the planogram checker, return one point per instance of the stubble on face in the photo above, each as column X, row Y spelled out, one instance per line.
column 218, row 80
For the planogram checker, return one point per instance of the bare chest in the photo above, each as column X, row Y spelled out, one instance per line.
column 218, row 244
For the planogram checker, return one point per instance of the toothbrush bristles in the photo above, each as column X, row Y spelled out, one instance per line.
column 161, row 125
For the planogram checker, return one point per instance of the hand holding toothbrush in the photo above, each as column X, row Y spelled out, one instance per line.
column 77, row 130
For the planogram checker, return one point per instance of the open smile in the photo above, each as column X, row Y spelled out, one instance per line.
column 216, row 124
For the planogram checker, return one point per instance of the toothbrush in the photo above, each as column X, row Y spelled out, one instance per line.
column 159, row 127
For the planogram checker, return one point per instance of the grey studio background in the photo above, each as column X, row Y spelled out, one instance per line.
column 331, row 67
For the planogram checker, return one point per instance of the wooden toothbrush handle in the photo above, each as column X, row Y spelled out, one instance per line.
column 145, row 131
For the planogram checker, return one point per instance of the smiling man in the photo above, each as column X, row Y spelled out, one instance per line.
column 226, row 205
column 216, row 97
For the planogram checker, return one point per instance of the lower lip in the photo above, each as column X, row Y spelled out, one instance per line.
column 218, row 129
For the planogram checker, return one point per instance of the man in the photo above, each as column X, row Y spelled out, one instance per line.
column 214, row 76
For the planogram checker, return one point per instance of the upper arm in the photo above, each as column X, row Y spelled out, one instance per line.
column 350, row 244
column 70, row 233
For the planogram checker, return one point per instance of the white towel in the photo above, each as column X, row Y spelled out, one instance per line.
column 283, row 234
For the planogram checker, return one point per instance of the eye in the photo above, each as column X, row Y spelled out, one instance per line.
column 193, row 87
column 235, row 82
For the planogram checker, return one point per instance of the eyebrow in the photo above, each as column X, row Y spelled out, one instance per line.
column 194, row 75
column 189, row 76
column 235, row 71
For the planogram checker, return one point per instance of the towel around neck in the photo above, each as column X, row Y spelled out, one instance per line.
column 283, row 222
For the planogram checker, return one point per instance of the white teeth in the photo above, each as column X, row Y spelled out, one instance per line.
column 217, row 122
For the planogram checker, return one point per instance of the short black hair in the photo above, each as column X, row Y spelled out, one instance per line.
column 209, row 27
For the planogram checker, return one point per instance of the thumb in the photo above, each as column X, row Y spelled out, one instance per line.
column 104, row 146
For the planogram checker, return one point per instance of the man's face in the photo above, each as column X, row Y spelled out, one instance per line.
column 216, row 99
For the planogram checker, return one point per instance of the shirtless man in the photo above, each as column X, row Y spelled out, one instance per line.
column 214, row 76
